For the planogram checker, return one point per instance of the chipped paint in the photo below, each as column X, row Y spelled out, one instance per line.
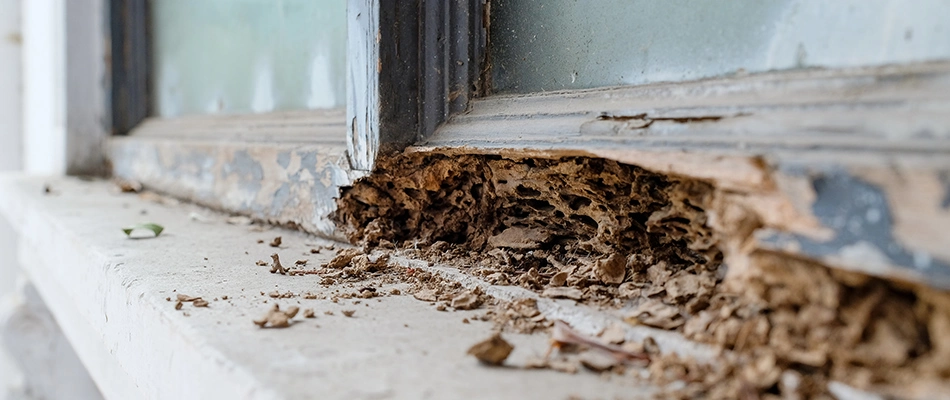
column 860, row 216
column 288, row 183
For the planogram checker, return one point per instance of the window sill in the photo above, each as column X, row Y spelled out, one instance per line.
column 109, row 293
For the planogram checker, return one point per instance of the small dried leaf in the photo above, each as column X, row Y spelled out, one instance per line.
column 155, row 228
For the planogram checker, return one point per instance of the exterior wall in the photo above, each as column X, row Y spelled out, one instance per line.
column 10, row 143
column 11, row 380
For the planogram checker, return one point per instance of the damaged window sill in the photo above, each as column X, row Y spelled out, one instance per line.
column 116, row 300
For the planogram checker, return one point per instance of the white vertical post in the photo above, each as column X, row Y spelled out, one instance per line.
column 44, row 89
column 65, row 109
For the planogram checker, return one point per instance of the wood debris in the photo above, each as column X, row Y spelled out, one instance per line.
column 261, row 263
column 343, row 258
column 275, row 318
column 563, row 293
column 308, row 313
column 276, row 242
column 492, row 351
column 611, row 270
column 467, row 300
column 563, row 334
column 276, row 267
column 348, row 313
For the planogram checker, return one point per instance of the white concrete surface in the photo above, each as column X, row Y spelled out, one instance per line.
column 46, row 365
column 108, row 294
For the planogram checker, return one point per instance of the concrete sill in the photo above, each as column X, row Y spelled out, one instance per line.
column 109, row 293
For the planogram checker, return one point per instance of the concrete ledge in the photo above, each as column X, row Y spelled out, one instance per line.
column 108, row 293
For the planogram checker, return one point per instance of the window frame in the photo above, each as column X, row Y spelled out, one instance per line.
column 422, row 84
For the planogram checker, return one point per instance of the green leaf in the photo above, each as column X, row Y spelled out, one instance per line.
column 155, row 228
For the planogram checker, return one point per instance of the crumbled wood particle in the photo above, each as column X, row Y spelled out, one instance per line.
column 301, row 262
column 260, row 240
column 348, row 313
column 343, row 258
column 224, row 297
column 186, row 298
column 611, row 270
column 563, row 293
column 441, row 307
column 308, row 313
column 276, row 242
column 465, row 320
column 614, row 334
column 328, row 312
column 178, row 305
column 559, row 279
column 261, row 263
column 168, row 299
column 276, row 266
column 200, row 303
column 492, row 351
column 395, row 292
column 275, row 318
column 466, row 301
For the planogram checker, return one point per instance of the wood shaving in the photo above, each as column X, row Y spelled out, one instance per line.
column 200, row 303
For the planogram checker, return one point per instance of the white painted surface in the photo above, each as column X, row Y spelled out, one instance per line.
column 64, row 109
column 48, row 366
column 10, row 134
column 44, row 94
column 108, row 293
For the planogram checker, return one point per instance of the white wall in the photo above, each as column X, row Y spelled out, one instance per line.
column 10, row 108
column 10, row 160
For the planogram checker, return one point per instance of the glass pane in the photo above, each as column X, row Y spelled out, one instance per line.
column 542, row 45
column 247, row 56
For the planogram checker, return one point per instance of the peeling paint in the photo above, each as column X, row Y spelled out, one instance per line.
column 860, row 216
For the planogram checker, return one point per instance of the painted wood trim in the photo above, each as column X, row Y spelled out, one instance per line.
column 285, row 168
column 130, row 96
column 410, row 65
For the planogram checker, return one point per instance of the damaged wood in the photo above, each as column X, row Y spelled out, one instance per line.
column 567, row 226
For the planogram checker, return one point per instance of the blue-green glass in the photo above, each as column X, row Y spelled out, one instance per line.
column 247, row 56
column 545, row 45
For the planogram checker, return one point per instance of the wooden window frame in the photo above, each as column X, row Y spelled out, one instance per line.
column 784, row 141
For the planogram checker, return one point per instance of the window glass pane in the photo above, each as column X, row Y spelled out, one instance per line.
column 541, row 45
column 247, row 56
